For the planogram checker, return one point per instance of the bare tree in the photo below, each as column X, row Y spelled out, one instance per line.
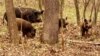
column 61, row 17
column 61, row 8
column 61, row 11
column 51, row 15
column 86, row 3
column 77, row 11
column 12, row 26
column 91, row 11
column 96, row 10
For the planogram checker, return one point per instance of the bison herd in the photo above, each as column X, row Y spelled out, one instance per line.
column 26, row 16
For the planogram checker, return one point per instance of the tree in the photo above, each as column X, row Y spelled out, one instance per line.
column 12, row 26
column 96, row 10
column 62, row 23
column 86, row 3
column 91, row 11
column 61, row 8
column 50, row 27
column 77, row 11
column 61, row 11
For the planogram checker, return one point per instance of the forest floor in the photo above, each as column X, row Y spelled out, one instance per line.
column 73, row 44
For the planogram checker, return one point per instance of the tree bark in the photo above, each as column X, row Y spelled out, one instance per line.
column 96, row 10
column 95, row 15
column 77, row 11
column 12, row 25
column 51, row 15
column 61, row 11
column 86, row 3
column 91, row 11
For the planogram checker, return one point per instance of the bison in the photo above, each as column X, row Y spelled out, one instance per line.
column 25, row 27
column 28, row 14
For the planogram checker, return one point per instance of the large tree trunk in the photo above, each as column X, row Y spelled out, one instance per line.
column 12, row 26
column 51, row 15
column 77, row 11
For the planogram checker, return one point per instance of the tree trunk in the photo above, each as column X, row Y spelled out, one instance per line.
column 12, row 26
column 95, row 15
column 91, row 12
column 77, row 11
column 51, row 15
column 96, row 10
column 86, row 3
column 61, row 8
column 61, row 11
